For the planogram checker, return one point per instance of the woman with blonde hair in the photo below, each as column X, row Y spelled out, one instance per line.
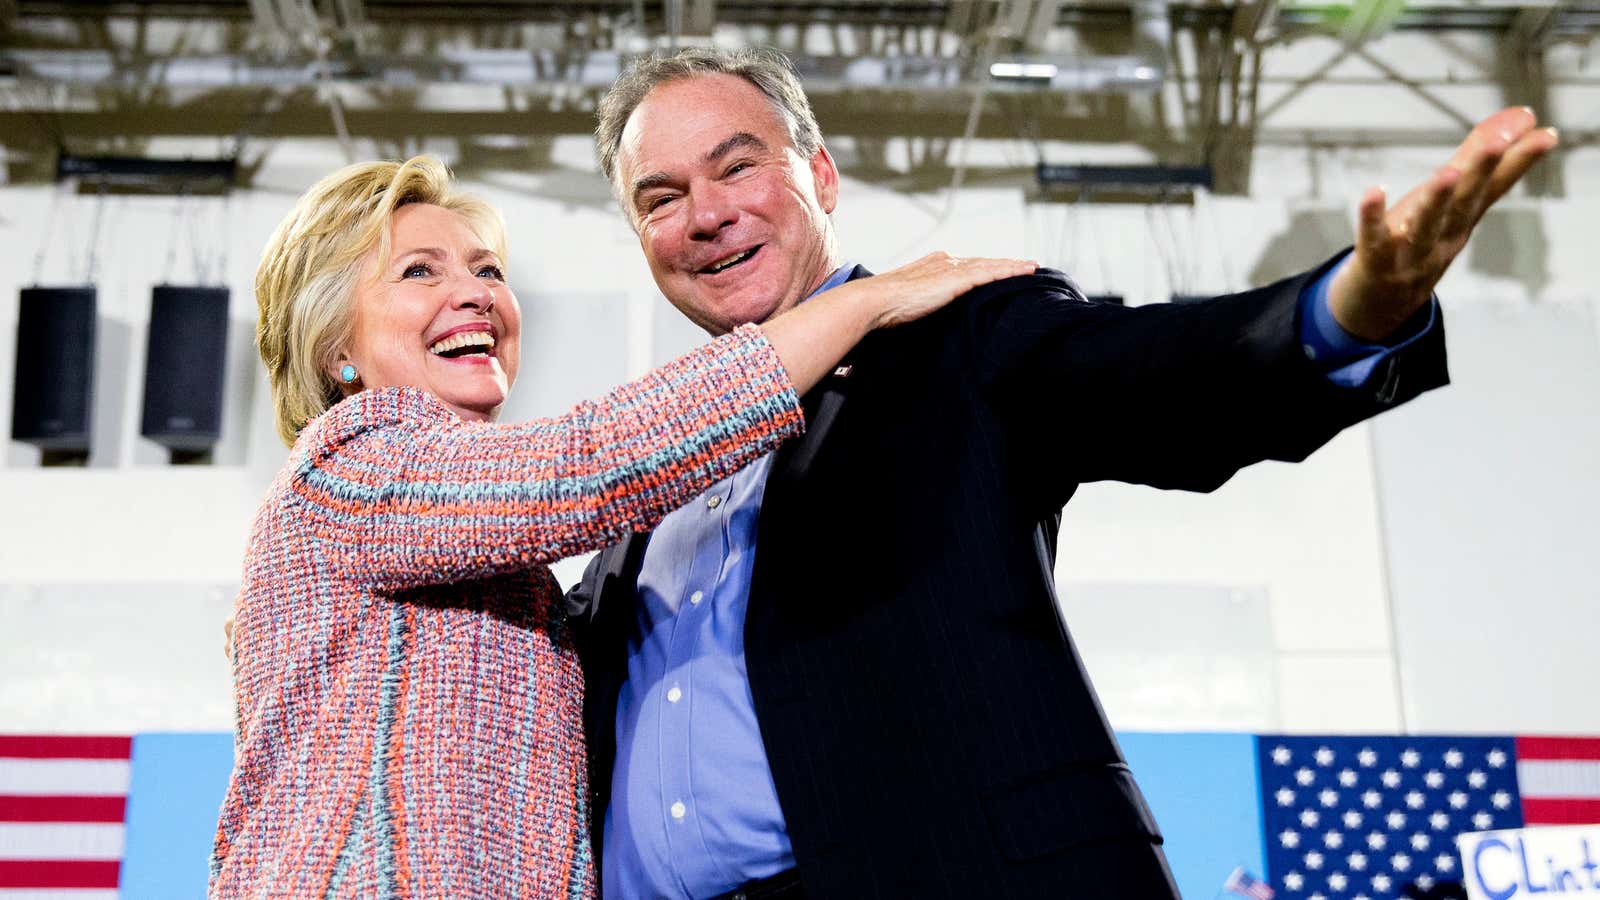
column 409, row 698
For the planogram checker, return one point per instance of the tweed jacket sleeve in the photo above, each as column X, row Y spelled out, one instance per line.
column 399, row 489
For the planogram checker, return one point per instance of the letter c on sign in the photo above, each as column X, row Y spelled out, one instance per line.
column 1477, row 865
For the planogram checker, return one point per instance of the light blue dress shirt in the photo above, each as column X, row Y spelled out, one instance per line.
column 694, row 812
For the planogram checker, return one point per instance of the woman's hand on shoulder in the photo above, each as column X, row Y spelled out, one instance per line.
column 918, row 288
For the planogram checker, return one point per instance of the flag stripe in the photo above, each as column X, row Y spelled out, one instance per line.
column 64, row 808
column 54, row 777
column 58, row 873
column 1561, row 810
column 52, row 840
column 56, row 894
column 33, row 746
column 1559, row 778
column 1558, row 748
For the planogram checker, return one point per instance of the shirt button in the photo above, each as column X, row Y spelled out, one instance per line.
column 696, row 597
column 678, row 810
column 674, row 695
column 714, row 502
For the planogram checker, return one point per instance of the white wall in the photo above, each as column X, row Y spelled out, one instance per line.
column 1307, row 541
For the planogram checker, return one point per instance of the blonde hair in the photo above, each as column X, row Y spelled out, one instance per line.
column 312, row 265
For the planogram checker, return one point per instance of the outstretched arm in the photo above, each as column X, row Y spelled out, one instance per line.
column 402, row 491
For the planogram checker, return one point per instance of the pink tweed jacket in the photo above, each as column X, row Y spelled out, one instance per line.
column 409, row 698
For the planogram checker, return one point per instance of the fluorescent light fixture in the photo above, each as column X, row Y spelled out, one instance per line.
column 1030, row 71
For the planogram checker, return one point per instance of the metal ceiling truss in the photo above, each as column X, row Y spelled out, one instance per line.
column 1181, row 79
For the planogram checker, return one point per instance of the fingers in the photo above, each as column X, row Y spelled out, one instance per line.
column 1472, row 191
column 1428, row 218
column 1373, row 238
column 1494, row 134
column 970, row 272
column 1528, row 149
column 1498, row 152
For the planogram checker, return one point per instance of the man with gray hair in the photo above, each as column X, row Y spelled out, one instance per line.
column 841, row 673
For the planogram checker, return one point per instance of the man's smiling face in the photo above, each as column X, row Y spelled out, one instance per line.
column 731, row 218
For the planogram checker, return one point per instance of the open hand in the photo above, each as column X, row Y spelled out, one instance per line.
column 1402, row 251
column 918, row 288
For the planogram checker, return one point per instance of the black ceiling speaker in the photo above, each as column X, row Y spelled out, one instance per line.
column 186, row 355
column 53, row 392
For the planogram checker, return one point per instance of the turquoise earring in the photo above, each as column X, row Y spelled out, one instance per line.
column 348, row 374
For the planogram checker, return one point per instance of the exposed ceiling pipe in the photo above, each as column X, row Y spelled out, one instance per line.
column 1142, row 70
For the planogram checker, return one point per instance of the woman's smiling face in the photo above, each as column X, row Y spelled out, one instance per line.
column 436, row 315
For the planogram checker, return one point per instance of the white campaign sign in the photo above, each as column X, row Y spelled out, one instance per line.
column 1526, row 862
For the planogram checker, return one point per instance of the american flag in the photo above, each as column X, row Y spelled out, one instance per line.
column 62, row 806
column 1244, row 884
column 1368, row 817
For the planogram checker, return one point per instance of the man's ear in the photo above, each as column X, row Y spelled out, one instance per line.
column 825, row 175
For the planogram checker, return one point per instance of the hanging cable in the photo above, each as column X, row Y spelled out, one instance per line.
column 94, row 234
column 173, row 233
column 49, row 233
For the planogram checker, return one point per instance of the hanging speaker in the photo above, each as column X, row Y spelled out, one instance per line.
column 186, row 354
column 53, row 393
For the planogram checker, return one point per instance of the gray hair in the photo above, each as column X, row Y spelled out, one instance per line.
column 769, row 70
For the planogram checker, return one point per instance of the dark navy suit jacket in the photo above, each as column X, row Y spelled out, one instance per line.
column 930, row 726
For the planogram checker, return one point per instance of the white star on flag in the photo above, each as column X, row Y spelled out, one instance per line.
column 1370, row 815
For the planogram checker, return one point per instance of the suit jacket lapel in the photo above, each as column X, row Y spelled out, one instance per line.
column 822, row 407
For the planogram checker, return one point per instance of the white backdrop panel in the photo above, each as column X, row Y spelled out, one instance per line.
column 1489, row 491
column 114, row 658
column 1175, row 656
